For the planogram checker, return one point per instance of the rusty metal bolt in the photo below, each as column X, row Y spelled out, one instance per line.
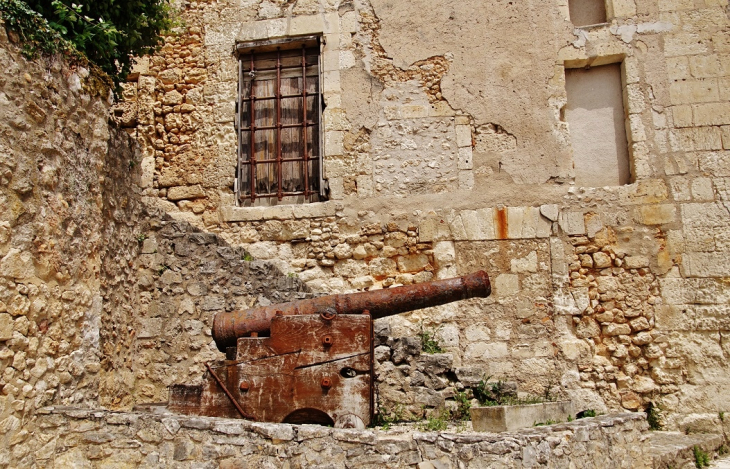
column 366, row 312
column 244, row 387
column 327, row 341
column 326, row 383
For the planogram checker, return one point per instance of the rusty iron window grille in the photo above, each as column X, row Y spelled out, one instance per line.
column 278, row 121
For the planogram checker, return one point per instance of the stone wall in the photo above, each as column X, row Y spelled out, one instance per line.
column 451, row 153
column 114, row 258
column 104, row 299
column 185, row 277
column 83, row 438
column 69, row 211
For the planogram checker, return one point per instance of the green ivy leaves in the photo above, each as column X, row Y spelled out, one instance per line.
column 110, row 33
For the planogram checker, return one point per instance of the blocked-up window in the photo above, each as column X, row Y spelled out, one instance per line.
column 595, row 116
column 587, row 12
column 278, row 122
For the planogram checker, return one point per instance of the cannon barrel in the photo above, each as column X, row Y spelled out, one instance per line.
column 228, row 327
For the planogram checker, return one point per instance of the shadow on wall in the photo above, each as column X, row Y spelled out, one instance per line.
column 184, row 277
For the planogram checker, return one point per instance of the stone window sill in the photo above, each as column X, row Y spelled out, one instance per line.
column 593, row 26
column 280, row 212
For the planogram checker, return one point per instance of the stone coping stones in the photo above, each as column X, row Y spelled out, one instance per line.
column 513, row 417
column 97, row 438
column 675, row 449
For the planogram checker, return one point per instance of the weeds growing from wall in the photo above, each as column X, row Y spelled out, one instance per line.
column 495, row 393
column 436, row 422
column 463, row 405
column 585, row 414
column 653, row 417
column 702, row 459
column 386, row 417
column 429, row 344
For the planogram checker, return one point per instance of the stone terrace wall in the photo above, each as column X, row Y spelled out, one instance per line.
column 83, row 438
column 66, row 240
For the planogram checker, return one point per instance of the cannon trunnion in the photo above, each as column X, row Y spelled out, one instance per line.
column 315, row 367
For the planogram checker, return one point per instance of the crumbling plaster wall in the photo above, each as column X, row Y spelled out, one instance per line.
column 446, row 150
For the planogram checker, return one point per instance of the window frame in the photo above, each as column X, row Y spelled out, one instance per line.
column 314, row 189
column 596, row 62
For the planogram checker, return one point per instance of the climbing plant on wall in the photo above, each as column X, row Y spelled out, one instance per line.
column 108, row 32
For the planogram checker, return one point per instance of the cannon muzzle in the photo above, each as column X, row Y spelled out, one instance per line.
column 228, row 327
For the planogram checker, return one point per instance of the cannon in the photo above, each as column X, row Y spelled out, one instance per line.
column 308, row 361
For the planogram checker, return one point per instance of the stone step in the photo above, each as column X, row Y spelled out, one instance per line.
column 722, row 463
column 675, row 450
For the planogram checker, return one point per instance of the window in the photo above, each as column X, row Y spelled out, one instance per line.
column 278, row 123
column 587, row 12
column 595, row 115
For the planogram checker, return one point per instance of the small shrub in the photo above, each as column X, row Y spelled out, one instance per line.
column 436, row 422
column 653, row 417
column 702, row 459
column 247, row 257
column 721, row 415
column 428, row 342
column 489, row 394
column 108, row 32
column 585, row 414
column 35, row 32
column 463, row 405
column 141, row 238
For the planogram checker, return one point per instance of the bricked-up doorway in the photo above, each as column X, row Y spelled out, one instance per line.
column 278, row 122
column 587, row 12
column 595, row 116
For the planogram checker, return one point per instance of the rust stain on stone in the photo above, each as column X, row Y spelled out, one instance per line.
column 501, row 227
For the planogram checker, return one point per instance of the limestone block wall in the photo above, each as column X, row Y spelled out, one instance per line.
column 447, row 150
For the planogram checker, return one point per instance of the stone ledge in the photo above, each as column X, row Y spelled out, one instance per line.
column 163, row 439
column 513, row 417
column 675, row 449
column 279, row 212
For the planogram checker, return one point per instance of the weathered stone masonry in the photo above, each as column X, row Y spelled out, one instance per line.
column 104, row 300
column 443, row 155
column 69, row 437
column 446, row 150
